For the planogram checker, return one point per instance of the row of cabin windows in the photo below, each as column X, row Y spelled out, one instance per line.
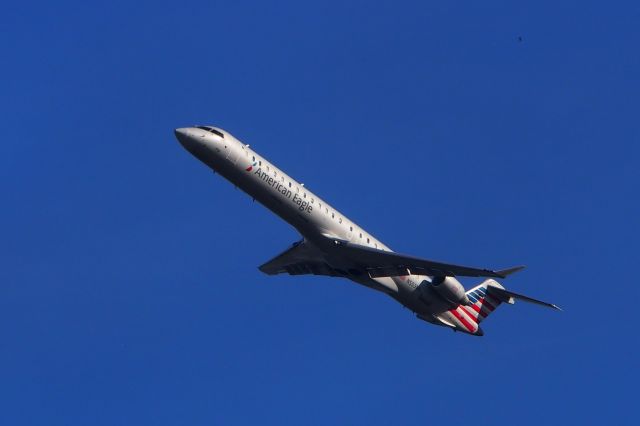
column 304, row 195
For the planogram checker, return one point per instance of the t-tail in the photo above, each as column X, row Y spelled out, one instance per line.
column 484, row 299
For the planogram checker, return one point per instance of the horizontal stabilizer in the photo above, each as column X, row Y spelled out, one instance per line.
column 506, row 295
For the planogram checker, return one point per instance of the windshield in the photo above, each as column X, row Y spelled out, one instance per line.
column 211, row 130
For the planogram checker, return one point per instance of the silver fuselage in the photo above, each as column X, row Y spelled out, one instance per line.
column 315, row 219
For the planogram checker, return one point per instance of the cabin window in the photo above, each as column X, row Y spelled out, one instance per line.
column 367, row 241
column 268, row 169
column 304, row 195
column 326, row 210
column 289, row 184
column 376, row 244
column 312, row 201
column 333, row 216
column 361, row 235
column 253, row 158
column 260, row 162
column 340, row 220
column 351, row 228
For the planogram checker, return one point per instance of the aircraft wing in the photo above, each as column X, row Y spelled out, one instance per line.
column 303, row 258
column 379, row 263
column 299, row 259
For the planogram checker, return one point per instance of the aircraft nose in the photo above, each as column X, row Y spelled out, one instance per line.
column 183, row 136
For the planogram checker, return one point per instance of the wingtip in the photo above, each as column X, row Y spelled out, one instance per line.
column 504, row 273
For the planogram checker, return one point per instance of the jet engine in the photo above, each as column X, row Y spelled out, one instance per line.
column 451, row 290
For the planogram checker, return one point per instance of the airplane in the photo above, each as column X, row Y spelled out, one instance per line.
column 333, row 245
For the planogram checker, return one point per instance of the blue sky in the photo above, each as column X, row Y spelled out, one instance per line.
column 129, row 290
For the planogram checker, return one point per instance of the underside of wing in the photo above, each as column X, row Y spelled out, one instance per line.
column 299, row 259
column 379, row 263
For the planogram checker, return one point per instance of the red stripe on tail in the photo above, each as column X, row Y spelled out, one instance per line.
column 469, row 313
column 478, row 310
column 487, row 304
column 462, row 320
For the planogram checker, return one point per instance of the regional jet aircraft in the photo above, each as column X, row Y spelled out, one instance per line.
column 335, row 246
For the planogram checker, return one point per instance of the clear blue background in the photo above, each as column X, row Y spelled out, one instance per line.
column 129, row 292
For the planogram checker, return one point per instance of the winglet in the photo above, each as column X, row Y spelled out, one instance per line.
column 504, row 273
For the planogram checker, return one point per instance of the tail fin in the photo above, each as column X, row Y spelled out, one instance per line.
column 468, row 318
column 483, row 300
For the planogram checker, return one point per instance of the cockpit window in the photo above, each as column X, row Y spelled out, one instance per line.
column 212, row 130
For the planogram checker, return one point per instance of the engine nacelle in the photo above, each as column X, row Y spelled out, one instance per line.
column 451, row 290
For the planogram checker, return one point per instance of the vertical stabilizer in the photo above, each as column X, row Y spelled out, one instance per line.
column 483, row 301
column 467, row 318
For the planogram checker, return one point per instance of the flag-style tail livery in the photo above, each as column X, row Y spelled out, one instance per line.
column 483, row 300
